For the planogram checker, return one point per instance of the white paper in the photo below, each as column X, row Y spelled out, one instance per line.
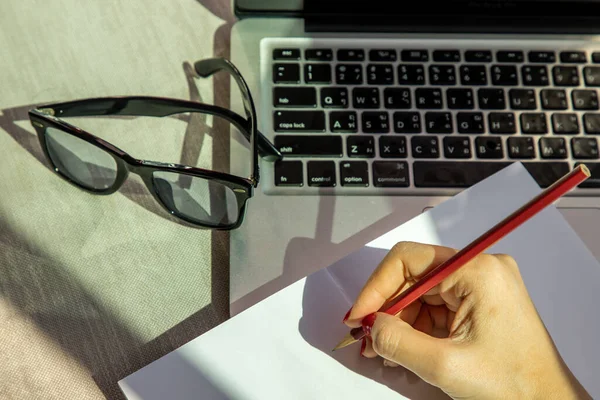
column 281, row 347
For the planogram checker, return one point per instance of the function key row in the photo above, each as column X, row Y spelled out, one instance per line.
column 437, row 74
column 433, row 98
column 423, row 55
column 453, row 147
column 436, row 122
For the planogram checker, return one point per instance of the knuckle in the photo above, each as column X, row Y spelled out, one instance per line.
column 507, row 260
column 386, row 339
column 402, row 247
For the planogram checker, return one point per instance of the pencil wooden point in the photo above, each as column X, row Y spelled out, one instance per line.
column 346, row 341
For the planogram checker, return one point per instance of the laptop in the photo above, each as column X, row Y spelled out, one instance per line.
column 383, row 109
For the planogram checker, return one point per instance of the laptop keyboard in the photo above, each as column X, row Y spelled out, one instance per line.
column 426, row 117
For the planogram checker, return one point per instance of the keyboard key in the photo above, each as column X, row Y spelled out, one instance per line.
column 591, row 76
column 453, row 174
column 591, row 123
column 502, row 123
column 478, row 56
column 520, row 147
column 350, row 74
column 553, row 148
column 535, row 75
column 321, row 173
column 584, row 148
column 504, row 75
column 546, row 173
column 594, row 180
column 522, row 99
column 343, row 122
column 390, row 174
column 428, row 98
column 294, row 97
column 334, row 97
column 375, row 122
column 585, row 99
column 380, row 74
column 596, row 58
column 317, row 73
column 414, row 55
column 306, row 146
column 438, row 122
column 470, row 122
column 554, row 99
column 533, row 123
column 392, row 147
column 491, row 99
column 350, row 55
column 565, row 123
column 446, row 55
column 473, row 75
column 425, row 147
column 411, row 74
column 286, row 73
column 510, row 56
column 360, row 146
column 286, row 54
column 489, row 147
column 293, row 121
column 573, row 57
column 542, row 57
column 442, row 74
column 457, row 147
column 462, row 174
column 460, row 99
column 365, row 97
column 565, row 76
column 382, row 55
column 354, row 173
column 288, row 173
column 407, row 122
column 318, row 54
column 396, row 98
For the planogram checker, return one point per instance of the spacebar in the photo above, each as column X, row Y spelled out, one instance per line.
column 465, row 174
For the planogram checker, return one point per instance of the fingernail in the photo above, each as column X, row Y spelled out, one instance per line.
column 363, row 346
column 347, row 315
column 367, row 323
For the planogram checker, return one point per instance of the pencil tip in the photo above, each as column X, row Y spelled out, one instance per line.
column 346, row 341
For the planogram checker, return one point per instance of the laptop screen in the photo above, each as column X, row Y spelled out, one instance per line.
column 523, row 15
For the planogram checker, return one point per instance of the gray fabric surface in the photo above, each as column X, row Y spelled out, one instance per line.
column 93, row 288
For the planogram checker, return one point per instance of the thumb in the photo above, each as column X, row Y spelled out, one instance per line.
column 397, row 341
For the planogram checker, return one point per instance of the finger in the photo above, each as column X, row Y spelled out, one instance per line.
column 450, row 319
column 423, row 322
column 404, row 263
column 433, row 299
column 388, row 363
column 368, row 351
column 410, row 313
column 395, row 340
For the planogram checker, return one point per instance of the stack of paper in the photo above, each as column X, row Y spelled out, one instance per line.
column 280, row 348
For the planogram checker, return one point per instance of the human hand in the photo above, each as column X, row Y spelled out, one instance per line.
column 476, row 335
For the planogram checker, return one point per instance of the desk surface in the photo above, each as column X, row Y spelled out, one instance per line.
column 93, row 288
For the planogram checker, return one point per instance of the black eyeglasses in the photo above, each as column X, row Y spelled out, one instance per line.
column 200, row 197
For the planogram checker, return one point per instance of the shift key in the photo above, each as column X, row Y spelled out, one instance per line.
column 303, row 146
column 299, row 121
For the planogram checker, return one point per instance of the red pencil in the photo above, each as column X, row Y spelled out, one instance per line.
column 478, row 246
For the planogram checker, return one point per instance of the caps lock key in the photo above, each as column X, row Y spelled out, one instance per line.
column 294, row 121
